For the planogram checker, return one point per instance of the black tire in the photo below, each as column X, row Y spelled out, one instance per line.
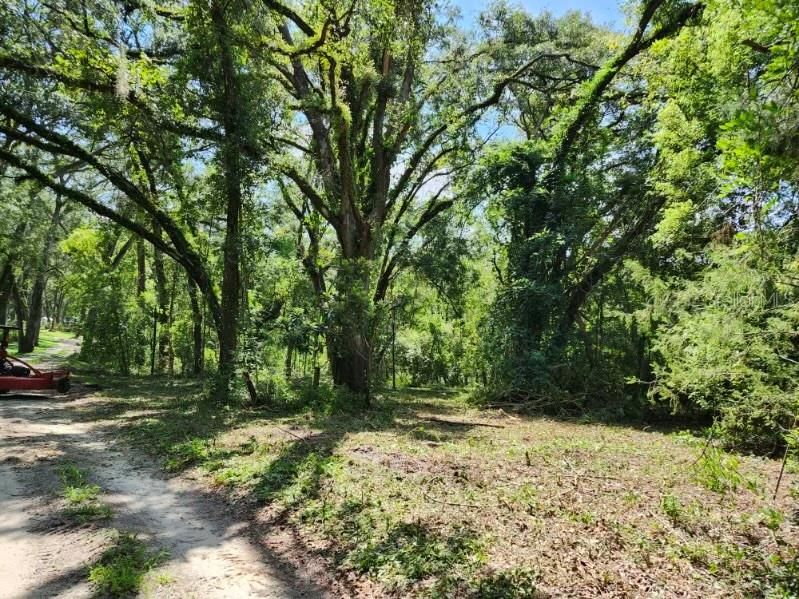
column 63, row 385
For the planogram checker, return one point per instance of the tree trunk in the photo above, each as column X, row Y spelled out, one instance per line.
column 348, row 342
column 7, row 272
column 197, row 330
column 170, row 321
column 58, row 301
column 232, row 168
column 162, row 296
column 349, row 362
column 34, row 321
column 141, row 267
column 31, row 336
column 6, row 279
column 21, row 311
column 289, row 360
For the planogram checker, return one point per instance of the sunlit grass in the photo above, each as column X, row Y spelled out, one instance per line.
column 81, row 497
column 425, row 494
column 48, row 340
column 122, row 568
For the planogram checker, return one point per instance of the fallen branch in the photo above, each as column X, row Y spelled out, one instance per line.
column 459, row 422
column 298, row 437
column 453, row 504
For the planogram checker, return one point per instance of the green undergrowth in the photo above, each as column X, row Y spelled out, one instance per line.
column 121, row 570
column 410, row 552
column 721, row 472
column 301, row 474
column 410, row 494
column 81, row 497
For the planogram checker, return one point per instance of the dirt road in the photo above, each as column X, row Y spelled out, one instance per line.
column 211, row 552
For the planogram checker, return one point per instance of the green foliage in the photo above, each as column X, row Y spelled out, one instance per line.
column 121, row 569
column 274, row 390
column 444, row 262
column 772, row 519
column 115, row 324
column 410, row 552
column 518, row 583
column 188, row 453
column 78, row 495
column 725, row 347
column 81, row 497
column 724, row 306
column 719, row 471
column 72, row 476
column 295, row 474
column 673, row 508
column 782, row 578
column 626, row 247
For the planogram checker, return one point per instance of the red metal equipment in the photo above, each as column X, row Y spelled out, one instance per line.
column 18, row 375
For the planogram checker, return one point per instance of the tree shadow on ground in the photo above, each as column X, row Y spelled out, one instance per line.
column 40, row 428
column 172, row 423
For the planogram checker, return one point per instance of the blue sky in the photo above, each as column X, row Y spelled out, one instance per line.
column 606, row 12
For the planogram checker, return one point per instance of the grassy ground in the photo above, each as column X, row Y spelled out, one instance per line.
column 424, row 495
column 48, row 346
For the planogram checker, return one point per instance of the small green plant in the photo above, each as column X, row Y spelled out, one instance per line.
column 89, row 512
column 698, row 555
column 274, row 390
column 673, row 509
column 411, row 552
column 78, row 495
column 631, row 497
column 164, row 579
column 186, row 454
column 295, row 475
column 719, row 471
column 82, row 498
column 517, row 583
column 526, row 495
column 771, row 518
column 687, row 437
column 582, row 517
column 424, row 434
column 71, row 475
column 782, row 577
column 121, row 569
column 233, row 474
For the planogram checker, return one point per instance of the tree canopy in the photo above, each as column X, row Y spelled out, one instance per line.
column 548, row 211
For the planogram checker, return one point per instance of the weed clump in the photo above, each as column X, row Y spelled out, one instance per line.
column 411, row 552
column 719, row 471
column 188, row 453
column 518, row 583
column 81, row 497
column 121, row 569
column 673, row 509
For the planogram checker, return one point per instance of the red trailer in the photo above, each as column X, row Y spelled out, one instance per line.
column 18, row 375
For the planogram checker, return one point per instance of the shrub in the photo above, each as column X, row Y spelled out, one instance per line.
column 724, row 350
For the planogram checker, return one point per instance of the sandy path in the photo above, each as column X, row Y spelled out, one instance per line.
column 211, row 553
column 15, row 542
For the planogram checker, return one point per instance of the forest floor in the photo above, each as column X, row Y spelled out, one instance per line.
column 420, row 495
